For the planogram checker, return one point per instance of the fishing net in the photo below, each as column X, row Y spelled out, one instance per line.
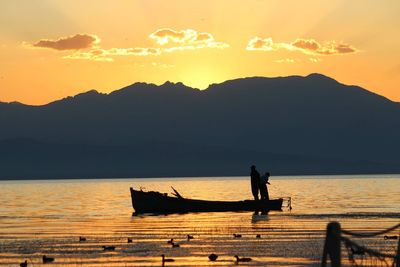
column 362, row 255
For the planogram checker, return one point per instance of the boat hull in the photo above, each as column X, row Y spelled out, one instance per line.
column 155, row 202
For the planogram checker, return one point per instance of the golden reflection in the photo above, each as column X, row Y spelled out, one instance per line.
column 47, row 218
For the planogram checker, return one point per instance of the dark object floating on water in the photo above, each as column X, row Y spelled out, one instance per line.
column 108, row 248
column 81, row 239
column 129, row 240
column 390, row 237
column 357, row 251
column 24, row 264
column 189, row 237
column 213, row 257
column 156, row 202
column 174, row 245
column 242, row 259
column 164, row 260
column 47, row 259
column 171, row 241
column 258, row 236
column 237, row 235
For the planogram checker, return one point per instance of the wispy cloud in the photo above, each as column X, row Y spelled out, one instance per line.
column 185, row 40
column 259, row 44
column 314, row 59
column 99, row 54
column 137, row 51
column 165, row 36
column 75, row 42
column 306, row 46
column 162, row 65
column 285, row 60
column 94, row 54
column 311, row 46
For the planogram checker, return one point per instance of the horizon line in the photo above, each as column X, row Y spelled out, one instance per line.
column 179, row 82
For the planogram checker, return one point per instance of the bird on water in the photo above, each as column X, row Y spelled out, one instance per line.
column 242, row 259
column 390, row 237
column 164, row 260
column 108, row 248
column 213, row 257
column 24, row 264
column 174, row 245
column 47, row 259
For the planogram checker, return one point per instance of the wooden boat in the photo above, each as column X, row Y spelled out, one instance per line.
column 161, row 203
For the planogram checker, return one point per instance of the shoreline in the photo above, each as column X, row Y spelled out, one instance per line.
column 306, row 175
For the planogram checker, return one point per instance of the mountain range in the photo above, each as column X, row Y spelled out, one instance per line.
column 286, row 125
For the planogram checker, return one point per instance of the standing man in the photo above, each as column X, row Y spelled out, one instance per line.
column 263, row 186
column 255, row 181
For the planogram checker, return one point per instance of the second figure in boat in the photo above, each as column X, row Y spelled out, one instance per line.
column 263, row 186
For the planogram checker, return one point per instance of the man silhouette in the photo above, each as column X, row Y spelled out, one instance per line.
column 263, row 186
column 255, row 182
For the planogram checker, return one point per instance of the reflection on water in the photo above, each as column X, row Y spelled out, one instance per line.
column 47, row 217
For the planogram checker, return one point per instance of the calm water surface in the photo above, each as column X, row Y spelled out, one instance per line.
column 47, row 217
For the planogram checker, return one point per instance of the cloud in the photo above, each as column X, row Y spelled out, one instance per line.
column 95, row 55
column 285, row 60
column 306, row 46
column 137, row 51
column 188, row 39
column 257, row 43
column 333, row 48
column 164, row 36
column 76, row 42
column 162, row 65
column 99, row 54
column 314, row 59
column 87, row 46
column 309, row 44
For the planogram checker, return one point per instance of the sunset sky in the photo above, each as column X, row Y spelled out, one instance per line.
column 50, row 49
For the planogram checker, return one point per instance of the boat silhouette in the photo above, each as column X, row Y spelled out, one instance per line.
column 161, row 203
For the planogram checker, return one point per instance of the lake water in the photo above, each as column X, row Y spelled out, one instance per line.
column 47, row 217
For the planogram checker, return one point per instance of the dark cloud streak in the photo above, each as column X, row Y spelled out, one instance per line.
column 76, row 42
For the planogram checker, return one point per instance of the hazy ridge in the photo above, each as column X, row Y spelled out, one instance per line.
column 289, row 125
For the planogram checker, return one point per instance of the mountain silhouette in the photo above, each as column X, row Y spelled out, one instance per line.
column 287, row 125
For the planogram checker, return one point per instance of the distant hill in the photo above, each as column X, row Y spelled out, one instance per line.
column 288, row 125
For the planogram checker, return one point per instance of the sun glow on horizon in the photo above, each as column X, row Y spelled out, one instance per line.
column 83, row 48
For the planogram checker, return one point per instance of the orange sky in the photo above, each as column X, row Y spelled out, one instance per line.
column 50, row 49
